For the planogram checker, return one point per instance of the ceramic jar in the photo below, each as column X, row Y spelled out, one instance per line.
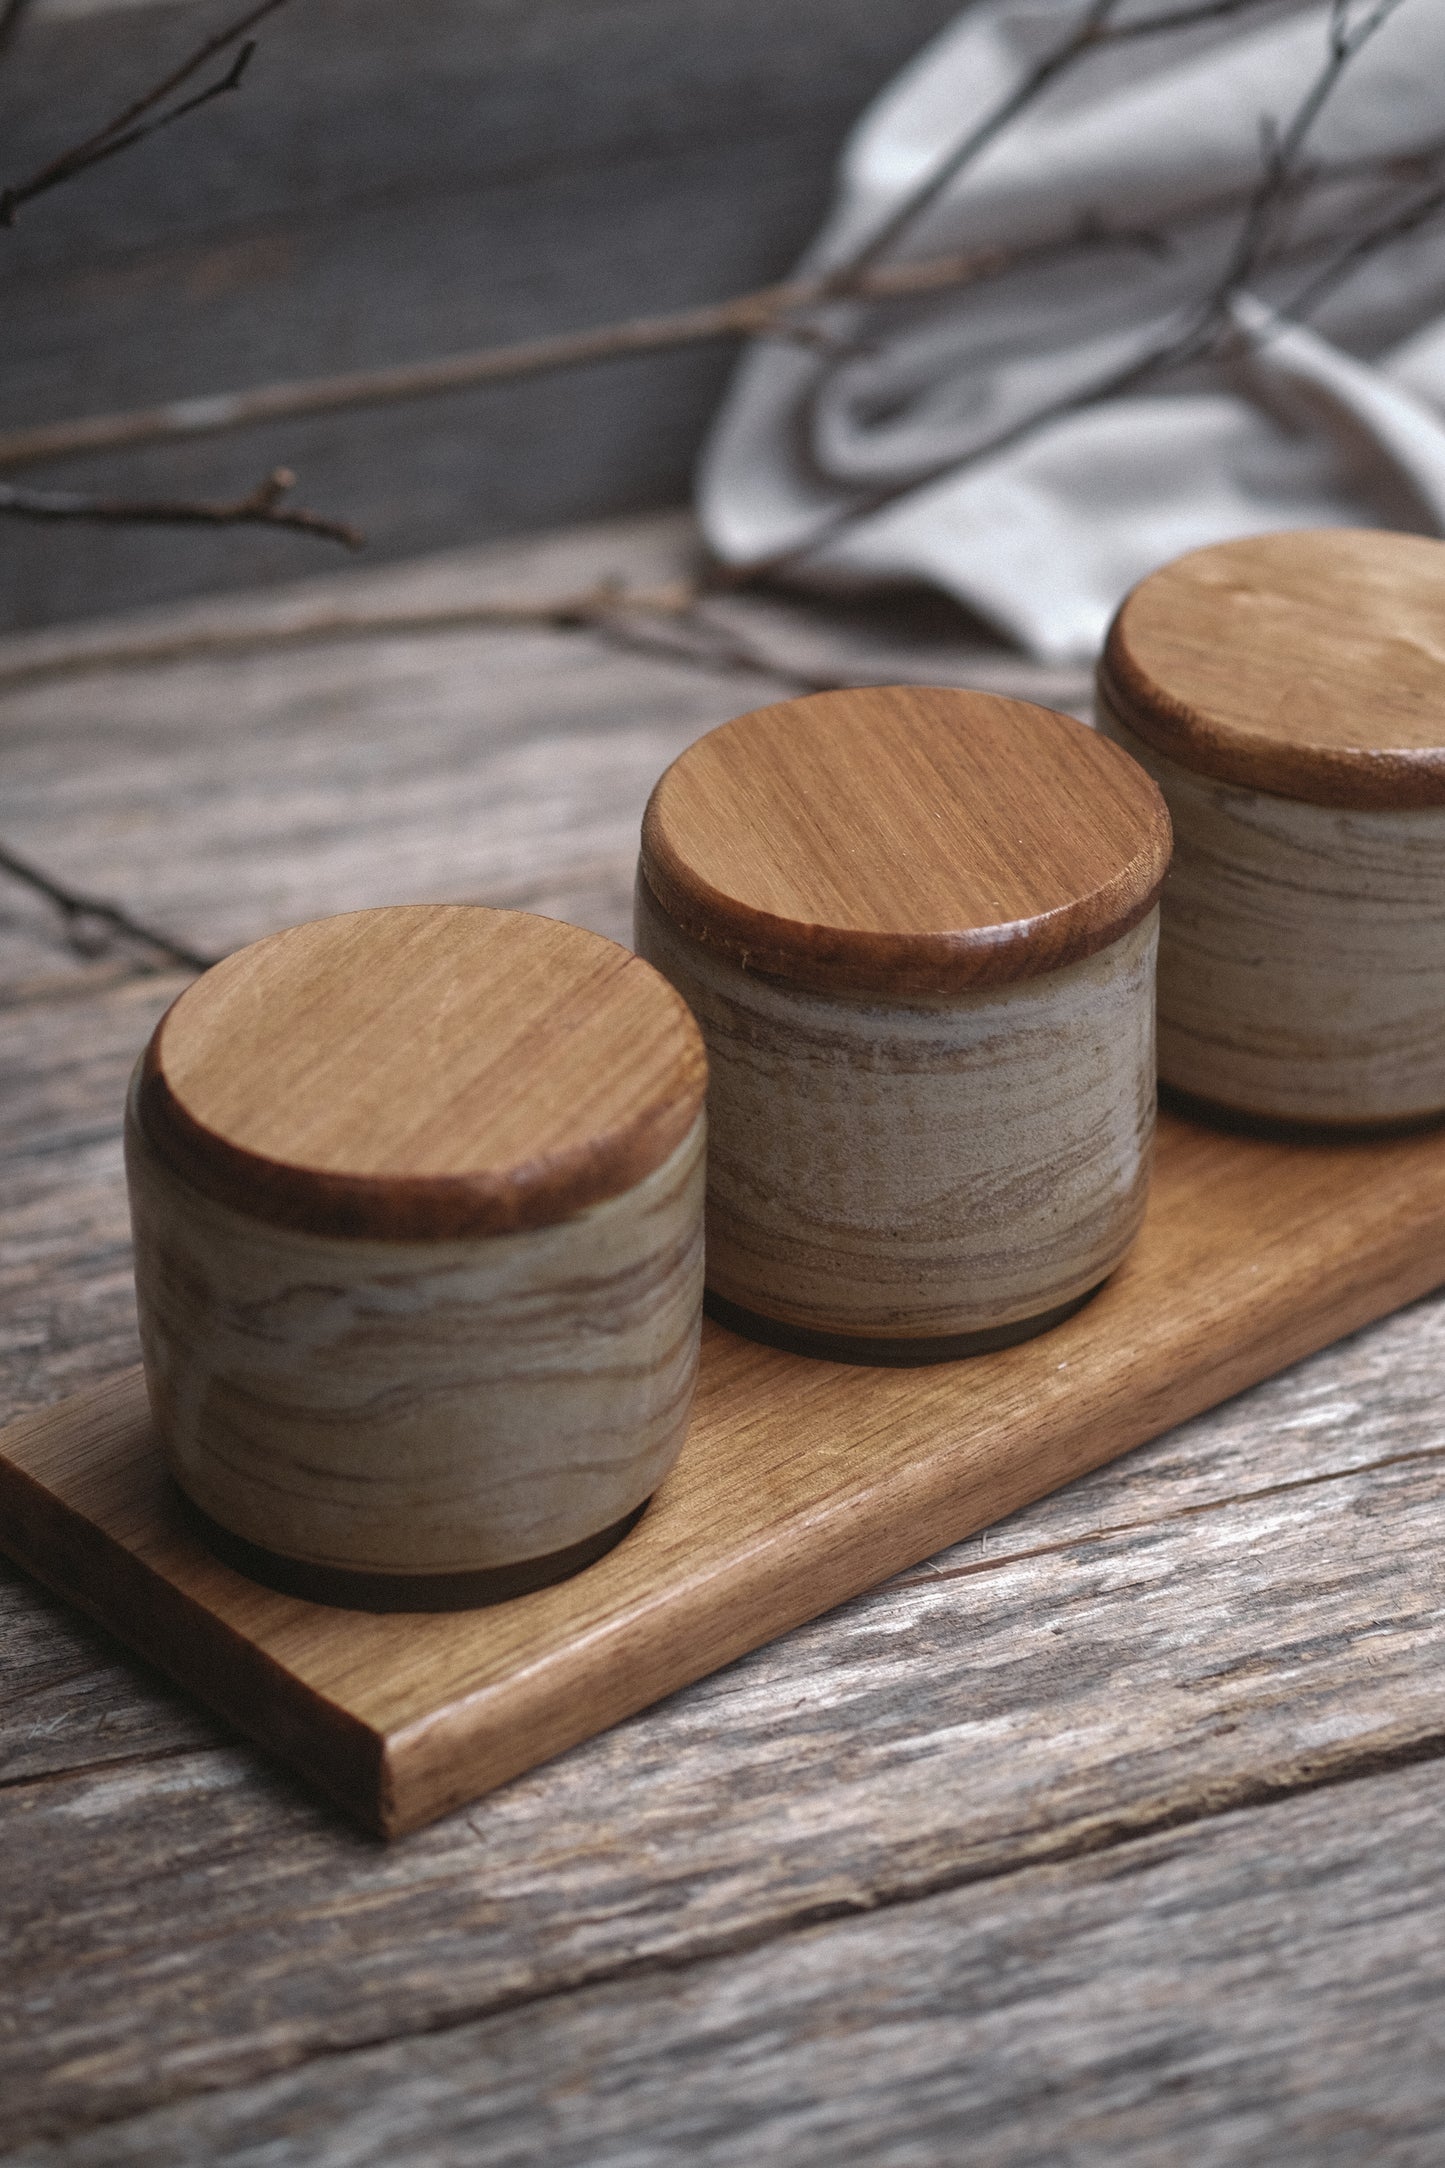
column 1287, row 693
column 417, row 1197
column 917, row 928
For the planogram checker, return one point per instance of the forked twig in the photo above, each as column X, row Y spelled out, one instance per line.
column 262, row 507
column 132, row 125
column 142, row 117
column 1282, row 157
column 1208, row 326
column 781, row 309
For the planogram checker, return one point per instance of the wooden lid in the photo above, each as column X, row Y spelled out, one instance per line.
column 1311, row 665
column 904, row 840
column 429, row 1071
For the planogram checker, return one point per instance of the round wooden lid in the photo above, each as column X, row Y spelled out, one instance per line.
column 1311, row 665
column 423, row 1072
column 904, row 840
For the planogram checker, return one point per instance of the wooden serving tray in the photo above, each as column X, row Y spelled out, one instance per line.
column 802, row 1483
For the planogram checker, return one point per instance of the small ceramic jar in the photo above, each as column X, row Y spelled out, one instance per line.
column 417, row 1197
column 918, row 930
column 1287, row 693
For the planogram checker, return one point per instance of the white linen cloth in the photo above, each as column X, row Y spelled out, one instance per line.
column 920, row 418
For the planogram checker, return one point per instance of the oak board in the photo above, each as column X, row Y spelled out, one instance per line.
column 802, row 1483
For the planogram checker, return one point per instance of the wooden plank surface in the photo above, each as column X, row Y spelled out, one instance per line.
column 1192, row 1641
column 1157, row 2006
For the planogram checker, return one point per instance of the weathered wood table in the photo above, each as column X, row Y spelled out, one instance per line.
column 1112, row 1835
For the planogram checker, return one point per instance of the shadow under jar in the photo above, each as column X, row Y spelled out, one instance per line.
column 1287, row 693
column 918, row 930
column 417, row 1197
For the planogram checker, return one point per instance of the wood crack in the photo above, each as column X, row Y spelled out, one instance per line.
column 89, row 924
column 103, row 1767
column 1109, row 1529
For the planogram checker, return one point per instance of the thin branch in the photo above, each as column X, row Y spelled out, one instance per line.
column 168, row 85
column 774, row 309
column 768, row 310
column 328, row 621
column 1396, row 226
column 663, row 622
column 1093, row 33
column 1207, row 328
column 1088, row 35
column 1184, row 18
column 65, row 169
column 261, row 508
column 721, row 651
column 669, row 622
column 780, row 310
column 1282, row 157
column 79, row 912
column 132, row 126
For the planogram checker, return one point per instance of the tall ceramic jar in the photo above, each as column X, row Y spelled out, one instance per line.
column 417, row 1197
column 1287, row 694
column 917, row 928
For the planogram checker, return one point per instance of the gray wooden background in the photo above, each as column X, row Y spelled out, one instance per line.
column 397, row 181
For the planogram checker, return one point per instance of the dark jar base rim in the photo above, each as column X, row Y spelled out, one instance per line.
column 1288, row 1128
column 349, row 1589
column 880, row 1352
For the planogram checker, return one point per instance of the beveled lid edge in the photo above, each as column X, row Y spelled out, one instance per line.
column 822, row 959
column 1363, row 778
column 422, row 1208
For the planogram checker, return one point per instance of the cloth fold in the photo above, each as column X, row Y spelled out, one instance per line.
column 989, row 439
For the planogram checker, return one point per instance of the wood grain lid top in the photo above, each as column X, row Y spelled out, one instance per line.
column 1311, row 665
column 428, row 1071
column 904, row 840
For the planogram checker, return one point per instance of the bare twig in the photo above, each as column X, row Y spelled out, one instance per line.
column 768, row 309
column 663, row 622
column 787, row 309
column 781, row 309
column 1281, row 161
column 1094, row 31
column 132, row 125
column 668, row 622
column 143, row 117
column 1208, row 326
column 319, row 623
column 1086, row 36
column 90, row 923
column 1396, row 225
column 1282, row 176
column 261, row 508
column 719, row 650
